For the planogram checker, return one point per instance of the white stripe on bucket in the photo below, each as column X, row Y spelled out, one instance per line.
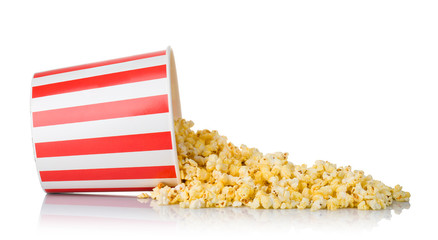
column 112, row 160
column 134, row 183
column 103, row 128
column 101, row 95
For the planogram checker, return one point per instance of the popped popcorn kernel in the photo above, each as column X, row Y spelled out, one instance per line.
column 143, row 196
column 304, row 203
column 216, row 173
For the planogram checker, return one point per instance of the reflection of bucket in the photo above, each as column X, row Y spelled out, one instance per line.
column 97, row 211
column 107, row 126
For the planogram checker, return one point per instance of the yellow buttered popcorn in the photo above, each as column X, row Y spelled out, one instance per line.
column 216, row 173
column 143, row 196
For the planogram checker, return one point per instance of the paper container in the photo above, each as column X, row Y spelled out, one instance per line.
column 107, row 126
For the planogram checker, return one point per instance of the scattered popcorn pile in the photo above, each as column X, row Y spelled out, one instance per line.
column 215, row 173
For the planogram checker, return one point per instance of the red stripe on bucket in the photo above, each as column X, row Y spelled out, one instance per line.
column 99, row 64
column 100, row 111
column 114, row 144
column 109, row 174
column 131, row 76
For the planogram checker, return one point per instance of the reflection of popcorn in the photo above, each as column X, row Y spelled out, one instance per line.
column 215, row 173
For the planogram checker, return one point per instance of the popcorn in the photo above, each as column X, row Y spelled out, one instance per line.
column 143, row 196
column 399, row 195
column 318, row 204
column 216, row 173
column 197, row 203
column 333, row 204
column 304, row 203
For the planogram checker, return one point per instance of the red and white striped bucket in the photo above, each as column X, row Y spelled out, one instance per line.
column 107, row 126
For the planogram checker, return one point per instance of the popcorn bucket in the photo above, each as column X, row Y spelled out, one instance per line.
column 107, row 126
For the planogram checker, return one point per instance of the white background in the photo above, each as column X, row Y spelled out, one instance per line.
column 351, row 82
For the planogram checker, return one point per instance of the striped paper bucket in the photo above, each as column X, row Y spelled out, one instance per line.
column 107, row 126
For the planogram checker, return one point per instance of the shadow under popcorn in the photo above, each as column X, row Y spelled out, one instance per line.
column 104, row 212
